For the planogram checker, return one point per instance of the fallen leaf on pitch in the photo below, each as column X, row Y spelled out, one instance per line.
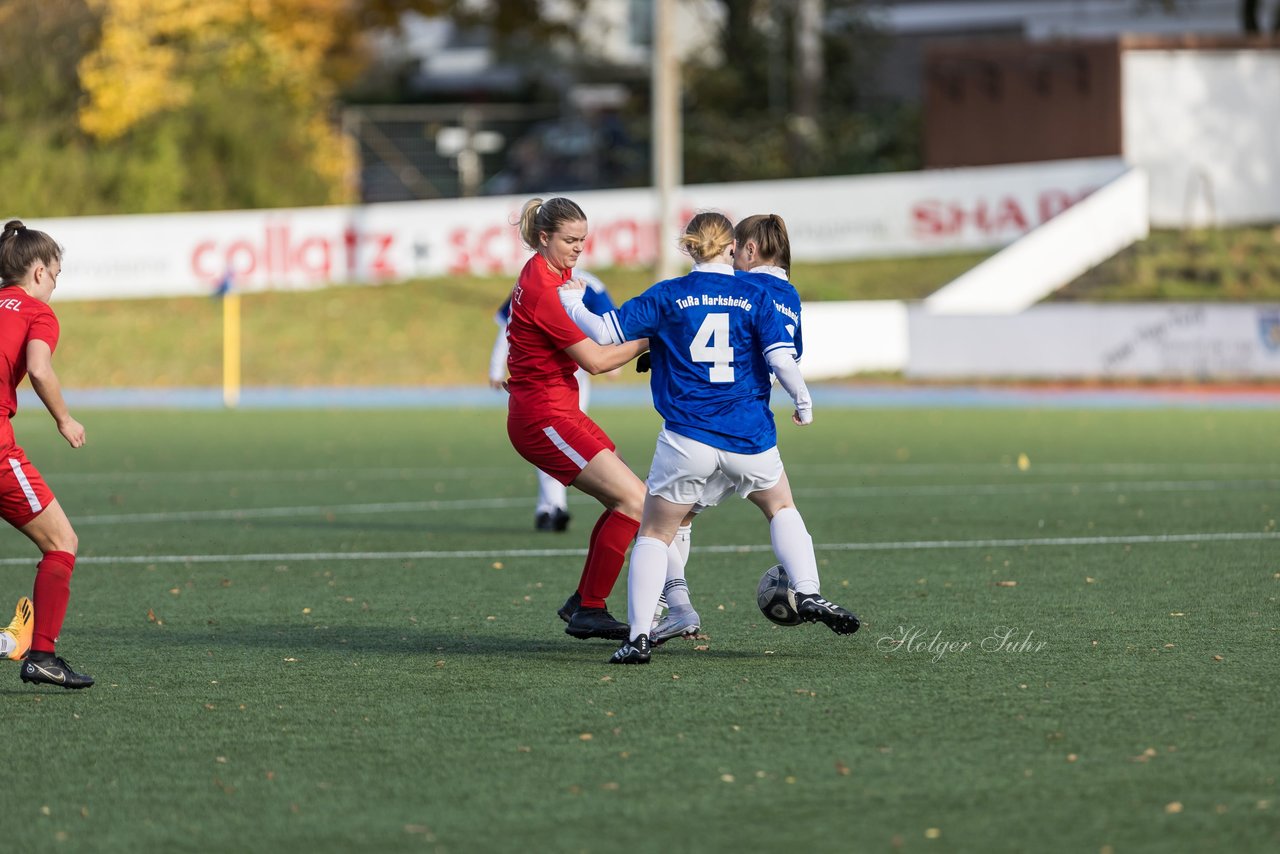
column 586, row 736
column 524, row 748
column 151, row 616
column 497, row 564
column 726, row 778
column 1177, row 614
column 1071, row 757
column 291, row 659
column 1173, row 808
column 175, row 591
column 1217, row 658
column 609, row 787
column 1024, row 462
column 440, row 663
column 702, row 647
column 606, row 678
column 842, row 769
column 1006, row 584
column 932, row 833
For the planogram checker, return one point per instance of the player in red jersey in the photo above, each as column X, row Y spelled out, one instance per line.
column 30, row 262
column 543, row 419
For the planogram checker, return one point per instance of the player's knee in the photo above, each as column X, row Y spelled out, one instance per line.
column 66, row 541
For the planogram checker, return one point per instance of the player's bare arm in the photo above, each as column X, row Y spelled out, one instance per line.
column 45, row 382
column 599, row 359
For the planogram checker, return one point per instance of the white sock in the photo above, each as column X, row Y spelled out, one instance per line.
column 7, row 643
column 552, row 495
column 676, row 589
column 645, row 575
column 794, row 549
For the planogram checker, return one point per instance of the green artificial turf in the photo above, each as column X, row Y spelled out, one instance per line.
column 322, row 695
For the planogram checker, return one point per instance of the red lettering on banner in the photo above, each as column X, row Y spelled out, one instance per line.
column 280, row 256
column 241, row 248
column 382, row 264
column 197, row 261
column 491, row 260
column 461, row 265
column 989, row 217
column 312, row 257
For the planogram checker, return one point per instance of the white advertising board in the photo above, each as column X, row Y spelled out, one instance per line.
column 1071, row 341
column 828, row 219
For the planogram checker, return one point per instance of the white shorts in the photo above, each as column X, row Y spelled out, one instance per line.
column 685, row 470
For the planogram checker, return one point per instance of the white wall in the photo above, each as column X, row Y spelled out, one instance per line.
column 1073, row 341
column 846, row 338
column 1205, row 125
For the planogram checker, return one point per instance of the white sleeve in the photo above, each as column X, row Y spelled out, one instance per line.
column 498, row 358
column 783, row 364
column 592, row 325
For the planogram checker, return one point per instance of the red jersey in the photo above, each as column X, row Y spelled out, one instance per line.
column 538, row 331
column 23, row 319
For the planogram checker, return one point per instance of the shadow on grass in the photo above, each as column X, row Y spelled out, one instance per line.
column 384, row 640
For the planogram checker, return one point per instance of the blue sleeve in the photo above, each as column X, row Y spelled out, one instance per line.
column 504, row 313
column 773, row 334
column 596, row 298
column 639, row 317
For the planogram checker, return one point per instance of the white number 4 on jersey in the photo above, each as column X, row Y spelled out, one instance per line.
column 711, row 344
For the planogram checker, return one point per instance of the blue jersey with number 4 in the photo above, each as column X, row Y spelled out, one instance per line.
column 708, row 333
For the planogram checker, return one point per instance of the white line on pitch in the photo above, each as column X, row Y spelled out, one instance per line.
column 248, row 513
column 245, row 513
column 282, row 475
column 887, row 469
column 1037, row 488
column 909, row 545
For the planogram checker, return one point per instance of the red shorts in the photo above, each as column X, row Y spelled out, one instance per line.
column 23, row 492
column 560, row 444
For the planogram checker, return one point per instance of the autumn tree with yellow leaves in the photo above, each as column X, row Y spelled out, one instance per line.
column 153, row 105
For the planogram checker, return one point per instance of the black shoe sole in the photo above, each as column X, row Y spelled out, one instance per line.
column 839, row 625
column 622, row 633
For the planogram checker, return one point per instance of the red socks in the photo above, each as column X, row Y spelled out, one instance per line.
column 52, row 590
column 606, row 552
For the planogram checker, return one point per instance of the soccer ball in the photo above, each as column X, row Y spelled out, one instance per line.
column 777, row 598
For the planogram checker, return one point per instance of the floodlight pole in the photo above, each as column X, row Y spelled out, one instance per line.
column 666, row 147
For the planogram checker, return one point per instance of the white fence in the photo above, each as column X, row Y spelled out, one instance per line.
column 828, row 218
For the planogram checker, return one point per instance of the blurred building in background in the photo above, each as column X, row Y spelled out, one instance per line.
column 479, row 124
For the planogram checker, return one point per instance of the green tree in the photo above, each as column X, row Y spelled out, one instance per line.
column 771, row 106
